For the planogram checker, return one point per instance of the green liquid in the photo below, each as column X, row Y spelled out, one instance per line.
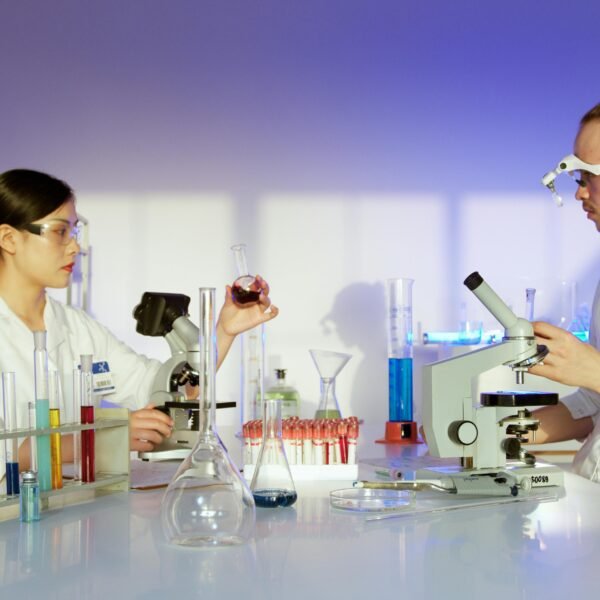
column 44, row 455
column 328, row 414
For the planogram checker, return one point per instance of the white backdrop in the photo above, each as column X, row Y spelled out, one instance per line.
column 344, row 141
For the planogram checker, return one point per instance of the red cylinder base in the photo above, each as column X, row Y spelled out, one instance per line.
column 400, row 432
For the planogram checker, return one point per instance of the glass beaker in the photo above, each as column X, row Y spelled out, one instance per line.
column 272, row 484
column 245, row 289
column 566, row 317
column 328, row 364
column 207, row 502
column 400, row 349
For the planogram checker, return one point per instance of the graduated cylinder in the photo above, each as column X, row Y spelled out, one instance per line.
column 400, row 349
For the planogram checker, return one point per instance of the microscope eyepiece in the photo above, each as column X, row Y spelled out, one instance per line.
column 473, row 281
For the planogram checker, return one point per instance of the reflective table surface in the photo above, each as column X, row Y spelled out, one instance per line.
column 114, row 548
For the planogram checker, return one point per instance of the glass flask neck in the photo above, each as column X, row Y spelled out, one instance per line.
column 241, row 263
column 272, row 419
column 207, row 363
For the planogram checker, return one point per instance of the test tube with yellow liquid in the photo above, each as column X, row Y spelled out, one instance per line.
column 55, row 440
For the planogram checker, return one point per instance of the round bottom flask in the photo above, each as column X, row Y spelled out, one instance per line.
column 272, row 484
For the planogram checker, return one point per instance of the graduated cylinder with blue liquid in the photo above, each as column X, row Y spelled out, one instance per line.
column 400, row 349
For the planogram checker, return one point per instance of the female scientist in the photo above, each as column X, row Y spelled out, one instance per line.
column 38, row 246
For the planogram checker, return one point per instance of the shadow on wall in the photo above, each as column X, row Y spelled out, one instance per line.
column 359, row 319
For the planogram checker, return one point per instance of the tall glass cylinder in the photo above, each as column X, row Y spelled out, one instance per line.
column 207, row 502
column 11, row 446
column 42, row 410
column 88, row 438
column 400, row 349
column 252, row 366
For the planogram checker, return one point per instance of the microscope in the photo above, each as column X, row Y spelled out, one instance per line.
column 166, row 315
column 487, row 434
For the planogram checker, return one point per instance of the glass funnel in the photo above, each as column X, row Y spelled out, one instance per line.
column 272, row 483
column 207, row 502
column 328, row 364
column 245, row 289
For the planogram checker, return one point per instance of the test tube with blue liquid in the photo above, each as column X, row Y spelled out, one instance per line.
column 11, row 446
column 400, row 428
column 42, row 410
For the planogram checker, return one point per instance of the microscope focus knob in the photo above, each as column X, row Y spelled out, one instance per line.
column 463, row 432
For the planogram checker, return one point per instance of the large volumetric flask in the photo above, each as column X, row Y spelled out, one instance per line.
column 400, row 349
column 207, row 503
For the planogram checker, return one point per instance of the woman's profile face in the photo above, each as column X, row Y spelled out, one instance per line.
column 46, row 254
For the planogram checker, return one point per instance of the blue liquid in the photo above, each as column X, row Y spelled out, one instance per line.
column 12, row 478
column 44, row 457
column 274, row 498
column 401, row 389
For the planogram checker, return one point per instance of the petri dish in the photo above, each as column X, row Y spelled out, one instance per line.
column 372, row 500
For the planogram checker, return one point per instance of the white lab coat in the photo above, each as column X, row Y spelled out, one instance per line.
column 586, row 403
column 72, row 332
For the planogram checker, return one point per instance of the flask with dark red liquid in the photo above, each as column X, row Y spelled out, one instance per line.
column 246, row 288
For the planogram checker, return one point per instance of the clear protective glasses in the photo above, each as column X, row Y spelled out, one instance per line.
column 57, row 231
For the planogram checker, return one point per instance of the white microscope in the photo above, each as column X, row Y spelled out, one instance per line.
column 487, row 433
column 162, row 314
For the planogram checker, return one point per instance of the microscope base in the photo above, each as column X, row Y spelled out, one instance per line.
column 529, row 477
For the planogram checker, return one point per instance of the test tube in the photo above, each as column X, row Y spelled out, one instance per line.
column 76, row 413
column 33, row 439
column 42, row 410
column 11, row 446
column 55, row 441
column 88, row 469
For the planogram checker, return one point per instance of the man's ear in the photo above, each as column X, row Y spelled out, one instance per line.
column 8, row 239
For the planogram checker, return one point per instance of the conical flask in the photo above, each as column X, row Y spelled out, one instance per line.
column 329, row 364
column 207, row 503
column 272, row 484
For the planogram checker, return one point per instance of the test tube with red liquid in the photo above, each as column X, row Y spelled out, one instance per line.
column 88, row 469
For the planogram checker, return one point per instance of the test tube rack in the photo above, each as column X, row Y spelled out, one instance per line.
column 112, row 462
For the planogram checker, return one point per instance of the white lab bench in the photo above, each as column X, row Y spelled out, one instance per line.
column 114, row 548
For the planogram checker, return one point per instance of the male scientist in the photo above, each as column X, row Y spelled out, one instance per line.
column 571, row 361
